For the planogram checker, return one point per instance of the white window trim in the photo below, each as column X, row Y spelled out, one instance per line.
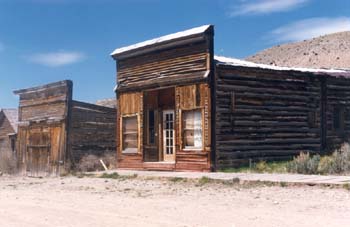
column 192, row 148
column 129, row 150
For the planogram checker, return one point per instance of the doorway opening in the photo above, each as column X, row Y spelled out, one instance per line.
column 159, row 125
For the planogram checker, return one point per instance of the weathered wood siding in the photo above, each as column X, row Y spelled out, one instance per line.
column 265, row 115
column 42, row 131
column 188, row 98
column 92, row 130
column 166, row 67
column 130, row 103
column 44, row 149
column 5, row 129
column 183, row 65
column 47, row 102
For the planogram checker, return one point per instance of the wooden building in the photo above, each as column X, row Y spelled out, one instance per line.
column 182, row 108
column 8, row 130
column 56, row 132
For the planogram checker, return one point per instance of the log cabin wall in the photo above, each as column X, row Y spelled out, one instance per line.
column 92, row 131
column 265, row 115
column 185, row 65
column 42, row 131
column 337, row 121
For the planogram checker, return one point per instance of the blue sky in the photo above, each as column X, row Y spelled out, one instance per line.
column 44, row 41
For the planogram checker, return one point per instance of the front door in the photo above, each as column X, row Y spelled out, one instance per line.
column 168, row 135
column 38, row 153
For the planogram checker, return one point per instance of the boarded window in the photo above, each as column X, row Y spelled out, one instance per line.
column 338, row 118
column 192, row 129
column 13, row 144
column 130, row 134
column 312, row 119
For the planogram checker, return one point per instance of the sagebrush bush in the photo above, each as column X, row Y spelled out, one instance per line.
column 337, row 163
column 326, row 165
column 304, row 164
column 341, row 159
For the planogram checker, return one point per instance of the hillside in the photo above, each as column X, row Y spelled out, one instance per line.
column 328, row 51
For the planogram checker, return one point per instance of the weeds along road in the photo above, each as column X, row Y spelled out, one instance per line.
column 95, row 202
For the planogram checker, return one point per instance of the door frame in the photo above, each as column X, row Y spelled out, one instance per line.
column 168, row 157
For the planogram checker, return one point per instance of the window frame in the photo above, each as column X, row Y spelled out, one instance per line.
column 191, row 148
column 129, row 150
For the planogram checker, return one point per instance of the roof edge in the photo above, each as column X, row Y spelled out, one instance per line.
column 36, row 88
column 161, row 42
column 221, row 60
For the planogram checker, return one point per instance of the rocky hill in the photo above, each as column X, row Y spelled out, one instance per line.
column 328, row 51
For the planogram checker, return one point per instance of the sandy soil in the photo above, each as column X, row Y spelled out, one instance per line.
column 96, row 202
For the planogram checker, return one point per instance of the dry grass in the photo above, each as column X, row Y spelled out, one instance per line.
column 90, row 163
column 7, row 162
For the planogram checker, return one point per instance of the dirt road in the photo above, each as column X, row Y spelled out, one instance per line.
column 95, row 202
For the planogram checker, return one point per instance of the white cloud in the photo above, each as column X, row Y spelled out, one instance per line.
column 265, row 6
column 310, row 28
column 56, row 59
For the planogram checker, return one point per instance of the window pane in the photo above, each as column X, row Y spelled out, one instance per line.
column 130, row 134
column 193, row 129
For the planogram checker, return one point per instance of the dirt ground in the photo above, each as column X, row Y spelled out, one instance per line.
column 95, row 202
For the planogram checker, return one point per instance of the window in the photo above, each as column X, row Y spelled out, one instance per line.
column 338, row 118
column 192, row 129
column 130, row 135
column 13, row 144
column 151, row 127
column 168, row 130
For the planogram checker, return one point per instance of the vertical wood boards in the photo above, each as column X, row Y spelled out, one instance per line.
column 192, row 97
column 186, row 98
column 129, row 104
column 42, row 129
